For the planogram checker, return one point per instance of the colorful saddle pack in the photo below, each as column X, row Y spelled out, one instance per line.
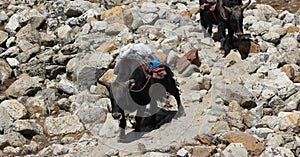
column 151, row 65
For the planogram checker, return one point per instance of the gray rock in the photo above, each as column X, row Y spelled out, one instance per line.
column 46, row 151
column 64, row 104
column 3, row 37
column 235, row 150
column 24, row 86
column 115, row 29
column 63, row 125
column 5, row 121
column 156, row 154
column 15, row 139
column 237, row 92
column 53, row 70
column 249, row 20
column 190, row 69
column 182, row 152
column 288, row 44
column 48, row 40
column 27, row 128
column 266, row 10
column 235, row 119
column 137, row 19
column 11, row 150
column 28, row 33
column 260, row 27
column 109, row 129
column 219, row 127
column 149, row 18
column 67, row 86
column 13, row 62
column 149, row 7
column 13, row 24
column 31, row 148
column 283, row 85
column 291, row 103
column 73, row 10
column 10, row 42
column 11, row 52
column 288, row 121
column 272, row 37
column 272, row 122
column 36, row 106
column 90, row 109
column 15, row 109
column 3, row 16
column 252, row 119
column 25, row 45
column 287, row 17
column 35, row 18
column 274, row 140
column 66, row 34
column 88, row 14
column 263, row 132
column 5, row 71
column 27, row 55
column 59, row 149
column 276, row 152
column 99, row 26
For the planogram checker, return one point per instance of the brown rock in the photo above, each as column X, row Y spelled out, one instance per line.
column 254, row 47
column 203, row 151
column 253, row 145
column 204, row 140
column 118, row 15
column 289, row 70
column 297, row 79
column 108, row 46
column 219, row 126
column 91, row 19
column 161, row 56
column 293, row 29
column 3, row 37
column 23, row 75
column 234, row 106
column 191, row 57
column 185, row 13
column 108, row 76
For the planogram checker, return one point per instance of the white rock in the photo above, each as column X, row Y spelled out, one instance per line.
column 235, row 150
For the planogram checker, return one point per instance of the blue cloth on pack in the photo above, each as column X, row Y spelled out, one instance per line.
column 154, row 62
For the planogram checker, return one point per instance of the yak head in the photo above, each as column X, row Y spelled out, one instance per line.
column 119, row 96
column 235, row 19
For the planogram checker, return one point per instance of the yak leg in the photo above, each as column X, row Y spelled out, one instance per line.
column 173, row 90
column 221, row 31
column 138, row 124
column 122, row 125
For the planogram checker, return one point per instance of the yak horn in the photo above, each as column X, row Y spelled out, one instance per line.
column 246, row 4
column 227, row 9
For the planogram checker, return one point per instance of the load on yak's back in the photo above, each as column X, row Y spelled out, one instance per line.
column 142, row 80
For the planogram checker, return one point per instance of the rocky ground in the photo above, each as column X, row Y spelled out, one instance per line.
column 51, row 52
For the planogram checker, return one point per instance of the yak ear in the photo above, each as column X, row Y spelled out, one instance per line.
column 104, row 83
column 246, row 5
column 227, row 9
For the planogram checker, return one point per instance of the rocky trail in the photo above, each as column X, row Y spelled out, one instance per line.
column 52, row 53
